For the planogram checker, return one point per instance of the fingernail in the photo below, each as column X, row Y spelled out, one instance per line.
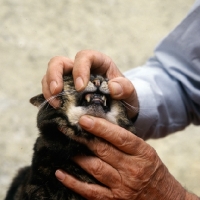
column 79, row 83
column 115, row 88
column 53, row 86
column 60, row 175
column 86, row 122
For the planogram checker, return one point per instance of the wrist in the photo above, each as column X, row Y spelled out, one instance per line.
column 170, row 188
column 163, row 186
column 174, row 190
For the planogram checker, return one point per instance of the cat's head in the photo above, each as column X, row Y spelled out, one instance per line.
column 94, row 100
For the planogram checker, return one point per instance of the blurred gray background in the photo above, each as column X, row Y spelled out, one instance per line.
column 32, row 32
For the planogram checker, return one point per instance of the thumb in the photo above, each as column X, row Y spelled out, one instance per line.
column 122, row 89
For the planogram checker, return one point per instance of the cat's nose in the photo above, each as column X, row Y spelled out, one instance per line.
column 96, row 82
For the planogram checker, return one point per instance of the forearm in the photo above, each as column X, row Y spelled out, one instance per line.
column 161, row 104
column 168, row 85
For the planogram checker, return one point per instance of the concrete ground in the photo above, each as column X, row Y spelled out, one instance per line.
column 32, row 32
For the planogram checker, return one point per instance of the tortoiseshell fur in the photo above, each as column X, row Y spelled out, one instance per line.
column 57, row 142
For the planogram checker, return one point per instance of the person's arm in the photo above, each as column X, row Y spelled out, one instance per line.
column 168, row 85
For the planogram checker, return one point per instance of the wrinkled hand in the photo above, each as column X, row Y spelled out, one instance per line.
column 127, row 166
column 85, row 62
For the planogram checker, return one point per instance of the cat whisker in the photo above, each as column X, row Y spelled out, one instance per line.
column 130, row 107
column 52, row 98
column 136, row 109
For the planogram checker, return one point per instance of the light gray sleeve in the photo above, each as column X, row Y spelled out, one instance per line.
column 168, row 85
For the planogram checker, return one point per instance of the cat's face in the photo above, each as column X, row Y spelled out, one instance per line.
column 95, row 100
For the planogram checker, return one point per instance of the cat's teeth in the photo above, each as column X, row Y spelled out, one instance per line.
column 104, row 99
column 87, row 97
column 104, row 103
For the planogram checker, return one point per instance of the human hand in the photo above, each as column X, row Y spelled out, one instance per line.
column 85, row 62
column 126, row 165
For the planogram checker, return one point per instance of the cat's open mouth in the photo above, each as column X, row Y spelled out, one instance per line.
column 96, row 96
column 96, row 99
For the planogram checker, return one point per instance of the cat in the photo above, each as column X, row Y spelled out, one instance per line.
column 57, row 142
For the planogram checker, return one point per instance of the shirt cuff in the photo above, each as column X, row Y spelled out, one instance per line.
column 147, row 116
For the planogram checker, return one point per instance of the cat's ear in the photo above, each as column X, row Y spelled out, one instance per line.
column 37, row 100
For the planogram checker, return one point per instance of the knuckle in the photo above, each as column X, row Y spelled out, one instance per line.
column 151, row 153
column 122, row 194
column 124, row 139
column 82, row 53
column 57, row 61
column 97, row 168
column 86, row 55
column 52, row 60
column 140, row 171
column 103, row 150
column 146, row 167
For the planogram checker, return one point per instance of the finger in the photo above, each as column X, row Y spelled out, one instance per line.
column 114, row 134
column 99, row 169
column 86, row 190
column 112, row 165
column 122, row 89
column 96, row 62
column 45, row 88
column 57, row 67
column 47, row 94
column 52, row 83
column 115, row 158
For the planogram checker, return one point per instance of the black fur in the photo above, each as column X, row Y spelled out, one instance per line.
column 54, row 150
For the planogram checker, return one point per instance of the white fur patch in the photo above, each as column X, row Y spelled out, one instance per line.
column 74, row 113
column 112, row 115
